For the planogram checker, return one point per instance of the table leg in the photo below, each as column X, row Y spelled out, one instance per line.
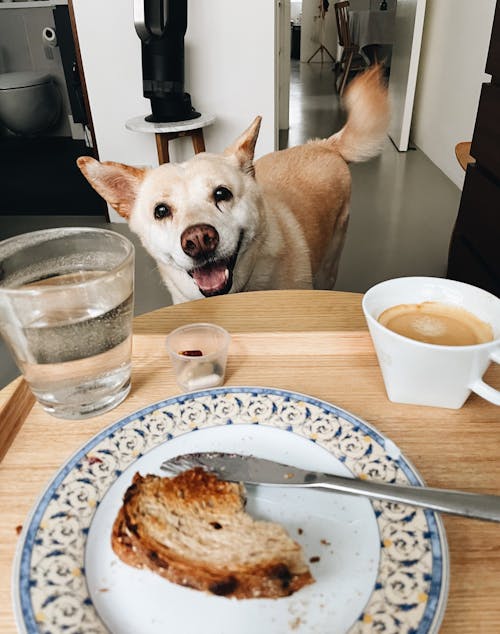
column 162, row 139
column 162, row 148
column 198, row 141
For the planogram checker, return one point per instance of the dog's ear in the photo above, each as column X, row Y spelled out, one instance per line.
column 244, row 147
column 118, row 184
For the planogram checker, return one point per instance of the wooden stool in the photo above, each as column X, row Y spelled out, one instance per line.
column 165, row 132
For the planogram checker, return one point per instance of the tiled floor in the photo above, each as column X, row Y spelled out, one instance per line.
column 403, row 207
column 402, row 211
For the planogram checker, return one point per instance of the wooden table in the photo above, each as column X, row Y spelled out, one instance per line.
column 373, row 32
column 372, row 27
column 314, row 342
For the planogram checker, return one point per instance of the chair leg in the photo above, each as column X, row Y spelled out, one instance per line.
column 346, row 73
column 337, row 69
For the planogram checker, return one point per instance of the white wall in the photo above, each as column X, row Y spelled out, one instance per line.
column 296, row 12
column 408, row 30
column 229, row 71
column 311, row 33
column 454, row 50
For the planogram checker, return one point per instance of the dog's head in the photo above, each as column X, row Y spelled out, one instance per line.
column 198, row 217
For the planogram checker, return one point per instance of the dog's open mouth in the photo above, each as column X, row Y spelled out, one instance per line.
column 216, row 277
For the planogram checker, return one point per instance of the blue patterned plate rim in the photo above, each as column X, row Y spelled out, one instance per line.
column 439, row 584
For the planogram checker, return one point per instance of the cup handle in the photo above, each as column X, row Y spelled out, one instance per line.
column 483, row 389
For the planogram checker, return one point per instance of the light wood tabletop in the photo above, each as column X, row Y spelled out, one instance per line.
column 312, row 342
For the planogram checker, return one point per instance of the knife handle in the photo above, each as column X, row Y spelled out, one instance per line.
column 485, row 507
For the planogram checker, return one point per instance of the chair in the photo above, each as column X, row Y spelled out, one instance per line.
column 350, row 49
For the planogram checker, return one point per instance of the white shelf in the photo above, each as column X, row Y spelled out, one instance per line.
column 139, row 124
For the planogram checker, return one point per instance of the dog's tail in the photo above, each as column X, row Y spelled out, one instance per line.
column 367, row 104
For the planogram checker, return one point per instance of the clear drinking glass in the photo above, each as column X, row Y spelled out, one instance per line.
column 66, row 309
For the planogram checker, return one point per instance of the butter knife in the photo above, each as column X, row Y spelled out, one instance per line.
column 253, row 470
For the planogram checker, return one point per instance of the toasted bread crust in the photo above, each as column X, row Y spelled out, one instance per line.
column 196, row 499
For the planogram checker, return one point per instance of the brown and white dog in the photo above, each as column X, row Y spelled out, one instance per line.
column 220, row 223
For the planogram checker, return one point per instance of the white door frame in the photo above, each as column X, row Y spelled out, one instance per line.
column 404, row 68
column 282, row 67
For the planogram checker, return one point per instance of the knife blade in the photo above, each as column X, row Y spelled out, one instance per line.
column 253, row 470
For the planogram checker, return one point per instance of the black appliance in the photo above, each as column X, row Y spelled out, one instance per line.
column 161, row 25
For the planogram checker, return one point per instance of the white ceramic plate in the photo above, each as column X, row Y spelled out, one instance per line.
column 378, row 566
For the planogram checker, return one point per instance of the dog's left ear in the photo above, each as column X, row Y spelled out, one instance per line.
column 244, row 147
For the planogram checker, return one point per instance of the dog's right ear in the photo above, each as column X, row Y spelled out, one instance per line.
column 118, row 184
column 243, row 148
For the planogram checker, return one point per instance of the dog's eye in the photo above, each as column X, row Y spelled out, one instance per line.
column 162, row 211
column 222, row 194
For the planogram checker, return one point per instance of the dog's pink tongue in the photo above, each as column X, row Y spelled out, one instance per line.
column 211, row 278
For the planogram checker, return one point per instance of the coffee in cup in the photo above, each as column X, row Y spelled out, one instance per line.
column 434, row 339
column 436, row 323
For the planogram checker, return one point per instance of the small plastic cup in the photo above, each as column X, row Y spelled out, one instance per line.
column 199, row 354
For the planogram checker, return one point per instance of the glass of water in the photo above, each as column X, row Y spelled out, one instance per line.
column 66, row 309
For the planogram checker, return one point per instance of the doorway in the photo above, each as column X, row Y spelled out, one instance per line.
column 39, row 172
column 309, row 105
column 315, row 28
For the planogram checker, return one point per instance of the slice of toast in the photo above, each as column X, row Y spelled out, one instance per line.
column 193, row 530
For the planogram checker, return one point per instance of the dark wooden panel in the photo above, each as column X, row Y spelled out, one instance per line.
column 40, row 176
column 474, row 255
column 68, row 57
column 493, row 60
column 466, row 265
column 479, row 215
column 485, row 146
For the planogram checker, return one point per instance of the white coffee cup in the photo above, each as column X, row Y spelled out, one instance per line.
column 428, row 374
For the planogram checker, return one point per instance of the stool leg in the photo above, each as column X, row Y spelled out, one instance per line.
column 162, row 148
column 198, row 140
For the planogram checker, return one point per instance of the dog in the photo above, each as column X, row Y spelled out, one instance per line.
column 222, row 223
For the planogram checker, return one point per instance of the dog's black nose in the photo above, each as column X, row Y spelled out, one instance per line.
column 199, row 240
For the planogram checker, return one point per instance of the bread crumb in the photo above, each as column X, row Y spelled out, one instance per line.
column 103, row 589
column 314, row 560
column 325, row 542
column 297, row 622
column 300, row 531
column 19, row 528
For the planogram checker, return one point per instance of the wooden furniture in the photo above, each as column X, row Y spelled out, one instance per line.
column 462, row 152
column 313, row 342
column 166, row 132
column 349, row 48
column 474, row 247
